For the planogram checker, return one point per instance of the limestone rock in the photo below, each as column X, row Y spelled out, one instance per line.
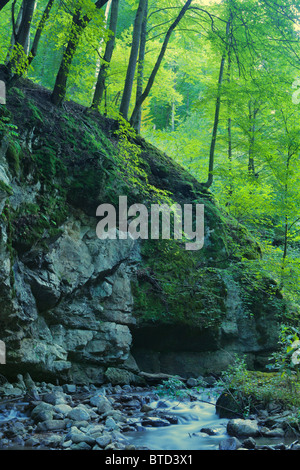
column 79, row 413
column 232, row 443
column 243, row 427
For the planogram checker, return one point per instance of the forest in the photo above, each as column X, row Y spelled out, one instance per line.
column 214, row 85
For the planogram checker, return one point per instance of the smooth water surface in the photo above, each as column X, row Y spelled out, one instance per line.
column 186, row 435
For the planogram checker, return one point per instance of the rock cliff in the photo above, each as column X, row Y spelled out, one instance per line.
column 73, row 307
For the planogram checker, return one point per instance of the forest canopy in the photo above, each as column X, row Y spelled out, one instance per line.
column 212, row 83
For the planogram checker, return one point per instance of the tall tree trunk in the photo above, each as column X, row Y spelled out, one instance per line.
column 229, row 128
column 252, row 117
column 215, row 128
column 16, row 65
column 40, row 28
column 217, row 115
column 22, row 36
column 158, row 63
column 100, row 85
column 106, row 15
column 16, row 26
column 286, row 225
column 79, row 23
column 34, row 48
column 136, row 35
column 140, row 75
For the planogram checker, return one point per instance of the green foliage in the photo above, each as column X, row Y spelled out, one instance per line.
column 131, row 168
column 7, row 129
column 254, row 236
column 249, row 390
column 19, row 60
column 172, row 388
column 287, row 359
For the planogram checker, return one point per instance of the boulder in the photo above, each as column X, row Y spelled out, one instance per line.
column 231, row 443
column 249, row 443
column 52, row 425
column 42, row 412
column 117, row 376
column 77, row 436
column 227, row 406
column 79, row 413
column 243, row 427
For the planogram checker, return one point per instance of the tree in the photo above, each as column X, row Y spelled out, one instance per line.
column 39, row 31
column 136, row 35
column 218, row 106
column 80, row 21
column 17, row 63
column 140, row 71
column 100, row 85
column 29, row 55
column 151, row 79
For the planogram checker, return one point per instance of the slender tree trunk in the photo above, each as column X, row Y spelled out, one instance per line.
column 106, row 15
column 33, row 52
column 79, row 23
column 286, row 226
column 100, row 85
column 158, row 62
column 217, row 115
column 136, row 35
column 15, row 65
column 229, row 130
column 22, row 37
column 40, row 28
column 252, row 117
column 16, row 26
column 215, row 128
column 140, row 76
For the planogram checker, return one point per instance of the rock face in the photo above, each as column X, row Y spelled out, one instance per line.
column 73, row 305
column 66, row 308
column 83, row 310
column 192, row 350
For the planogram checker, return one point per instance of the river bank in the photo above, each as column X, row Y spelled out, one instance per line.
column 68, row 417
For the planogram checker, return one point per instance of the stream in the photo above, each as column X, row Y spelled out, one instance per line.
column 147, row 421
column 186, row 433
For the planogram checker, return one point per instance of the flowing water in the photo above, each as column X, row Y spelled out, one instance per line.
column 190, row 417
column 186, row 434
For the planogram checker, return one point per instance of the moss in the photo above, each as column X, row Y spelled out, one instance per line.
column 34, row 223
column 172, row 289
column 48, row 164
column 13, row 155
column 5, row 188
column 18, row 92
column 36, row 113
